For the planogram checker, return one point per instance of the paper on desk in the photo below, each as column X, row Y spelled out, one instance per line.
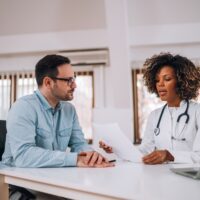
column 112, row 135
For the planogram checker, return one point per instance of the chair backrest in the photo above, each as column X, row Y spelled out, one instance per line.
column 2, row 137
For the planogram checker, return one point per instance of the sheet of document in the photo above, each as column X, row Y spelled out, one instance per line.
column 113, row 136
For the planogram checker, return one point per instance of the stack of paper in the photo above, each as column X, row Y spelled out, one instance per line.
column 112, row 135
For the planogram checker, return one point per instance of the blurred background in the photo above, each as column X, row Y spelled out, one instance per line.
column 107, row 42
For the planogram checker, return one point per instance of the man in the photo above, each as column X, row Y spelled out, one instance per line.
column 41, row 126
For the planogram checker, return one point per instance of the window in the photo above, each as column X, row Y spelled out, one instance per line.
column 5, row 93
column 143, row 104
column 26, row 84
column 84, row 101
column 15, row 85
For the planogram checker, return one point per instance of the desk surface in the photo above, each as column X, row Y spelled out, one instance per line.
column 124, row 181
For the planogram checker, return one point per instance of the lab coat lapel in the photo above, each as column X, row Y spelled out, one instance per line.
column 163, row 140
column 179, row 132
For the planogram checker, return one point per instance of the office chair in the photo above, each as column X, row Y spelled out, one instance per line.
column 14, row 191
column 2, row 137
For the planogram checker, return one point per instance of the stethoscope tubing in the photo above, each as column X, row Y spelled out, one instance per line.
column 157, row 129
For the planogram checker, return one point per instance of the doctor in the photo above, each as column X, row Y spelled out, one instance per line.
column 173, row 131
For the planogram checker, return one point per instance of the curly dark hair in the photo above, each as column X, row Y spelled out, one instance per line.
column 187, row 74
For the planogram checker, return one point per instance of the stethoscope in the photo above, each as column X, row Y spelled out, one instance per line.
column 157, row 129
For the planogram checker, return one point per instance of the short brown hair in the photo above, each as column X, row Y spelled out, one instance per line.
column 48, row 66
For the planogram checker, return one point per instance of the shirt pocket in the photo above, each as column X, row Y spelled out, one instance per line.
column 44, row 138
column 63, row 138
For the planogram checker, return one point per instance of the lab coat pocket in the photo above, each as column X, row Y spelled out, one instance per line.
column 180, row 130
column 44, row 138
column 64, row 137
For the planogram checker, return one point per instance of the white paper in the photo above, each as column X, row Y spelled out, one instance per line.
column 112, row 135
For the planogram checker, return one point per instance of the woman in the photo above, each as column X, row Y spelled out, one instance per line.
column 173, row 131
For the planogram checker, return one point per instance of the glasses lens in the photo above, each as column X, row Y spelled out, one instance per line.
column 71, row 80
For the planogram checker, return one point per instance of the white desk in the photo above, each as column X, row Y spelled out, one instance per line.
column 125, row 181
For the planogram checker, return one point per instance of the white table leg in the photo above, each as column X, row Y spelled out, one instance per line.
column 3, row 189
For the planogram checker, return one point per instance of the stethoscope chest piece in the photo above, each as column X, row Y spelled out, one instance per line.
column 156, row 131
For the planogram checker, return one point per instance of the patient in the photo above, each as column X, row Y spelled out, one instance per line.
column 41, row 126
column 173, row 131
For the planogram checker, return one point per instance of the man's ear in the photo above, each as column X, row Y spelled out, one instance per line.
column 47, row 81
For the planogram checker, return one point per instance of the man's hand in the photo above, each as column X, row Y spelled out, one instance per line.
column 105, row 147
column 158, row 157
column 92, row 159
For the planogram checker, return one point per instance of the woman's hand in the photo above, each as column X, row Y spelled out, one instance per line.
column 158, row 157
column 105, row 147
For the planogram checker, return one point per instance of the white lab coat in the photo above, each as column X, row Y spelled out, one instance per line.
column 187, row 151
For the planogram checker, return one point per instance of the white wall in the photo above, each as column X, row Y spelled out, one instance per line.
column 132, row 30
column 160, row 25
column 162, row 12
column 27, row 17
column 32, row 26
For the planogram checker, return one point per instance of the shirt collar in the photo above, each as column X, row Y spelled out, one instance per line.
column 45, row 104
column 183, row 102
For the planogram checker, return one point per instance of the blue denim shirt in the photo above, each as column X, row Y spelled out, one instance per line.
column 38, row 135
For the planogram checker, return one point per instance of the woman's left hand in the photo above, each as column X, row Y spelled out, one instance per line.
column 105, row 147
column 157, row 157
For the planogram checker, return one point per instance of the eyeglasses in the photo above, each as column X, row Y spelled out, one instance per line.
column 69, row 80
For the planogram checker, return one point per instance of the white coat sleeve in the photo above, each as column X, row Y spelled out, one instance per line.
column 148, row 142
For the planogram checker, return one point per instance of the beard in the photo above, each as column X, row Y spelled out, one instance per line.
column 69, row 95
column 63, row 96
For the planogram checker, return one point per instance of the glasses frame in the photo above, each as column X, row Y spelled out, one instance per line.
column 68, row 80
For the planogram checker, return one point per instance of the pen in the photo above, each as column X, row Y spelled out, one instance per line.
column 112, row 161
